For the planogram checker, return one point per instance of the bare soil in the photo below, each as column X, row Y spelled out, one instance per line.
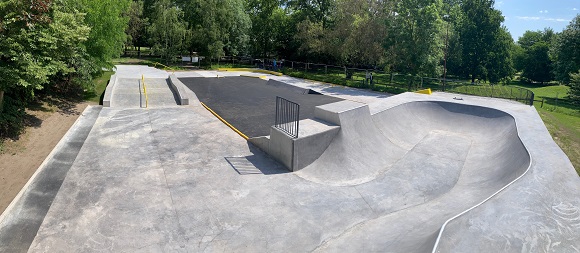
column 46, row 124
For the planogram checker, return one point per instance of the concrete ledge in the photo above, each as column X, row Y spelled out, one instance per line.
column 109, row 91
column 179, row 88
column 313, row 138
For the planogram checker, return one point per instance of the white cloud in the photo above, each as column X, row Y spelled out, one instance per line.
column 498, row 4
column 557, row 19
column 574, row 9
column 544, row 11
column 528, row 18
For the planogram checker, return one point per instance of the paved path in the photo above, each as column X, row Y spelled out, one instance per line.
column 129, row 90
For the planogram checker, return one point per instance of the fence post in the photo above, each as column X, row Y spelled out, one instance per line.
column 421, row 82
column 325, row 69
column 532, row 99
column 542, row 106
column 391, row 82
column 292, row 65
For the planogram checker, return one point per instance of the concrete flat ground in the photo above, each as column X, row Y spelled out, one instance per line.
column 249, row 104
column 404, row 174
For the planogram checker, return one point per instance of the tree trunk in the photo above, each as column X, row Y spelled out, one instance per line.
column 139, row 52
column 1, row 100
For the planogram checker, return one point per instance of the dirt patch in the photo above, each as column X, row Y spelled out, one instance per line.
column 46, row 124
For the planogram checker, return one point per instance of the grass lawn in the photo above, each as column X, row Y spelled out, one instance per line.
column 562, row 118
column 100, row 86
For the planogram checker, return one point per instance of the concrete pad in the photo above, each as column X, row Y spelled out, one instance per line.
column 176, row 179
column 21, row 220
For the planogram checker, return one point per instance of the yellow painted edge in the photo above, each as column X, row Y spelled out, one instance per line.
column 425, row 91
column 145, row 91
column 224, row 121
column 252, row 70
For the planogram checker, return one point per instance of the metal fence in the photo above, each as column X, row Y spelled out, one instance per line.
column 287, row 116
column 383, row 81
column 495, row 91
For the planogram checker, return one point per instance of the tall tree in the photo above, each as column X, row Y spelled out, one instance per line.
column 264, row 15
column 416, row 37
column 535, row 62
column 218, row 27
column 136, row 28
column 480, row 32
column 566, row 51
column 108, row 23
column 168, row 31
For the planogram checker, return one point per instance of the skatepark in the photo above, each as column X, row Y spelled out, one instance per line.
column 153, row 170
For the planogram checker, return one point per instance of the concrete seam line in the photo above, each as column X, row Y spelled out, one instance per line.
column 224, row 121
column 42, row 166
column 488, row 198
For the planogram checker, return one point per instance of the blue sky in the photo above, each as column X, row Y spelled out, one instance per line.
column 523, row 15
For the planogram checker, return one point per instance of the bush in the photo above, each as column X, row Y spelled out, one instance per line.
column 12, row 117
column 574, row 92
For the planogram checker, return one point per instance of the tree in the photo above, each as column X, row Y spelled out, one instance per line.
column 218, row 27
column 499, row 66
column 534, row 60
column 480, row 33
column 168, row 32
column 317, row 11
column 574, row 92
column 108, row 23
column 264, row 16
column 137, row 24
column 41, row 46
column 565, row 51
column 416, row 37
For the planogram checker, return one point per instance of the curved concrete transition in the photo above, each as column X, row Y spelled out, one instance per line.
column 404, row 173
column 414, row 153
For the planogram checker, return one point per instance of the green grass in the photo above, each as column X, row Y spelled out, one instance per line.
column 100, row 84
column 560, row 115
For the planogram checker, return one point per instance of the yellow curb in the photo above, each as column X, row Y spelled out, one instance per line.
column 225, row 122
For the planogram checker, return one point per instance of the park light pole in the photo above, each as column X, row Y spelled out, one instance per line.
column 446, row 18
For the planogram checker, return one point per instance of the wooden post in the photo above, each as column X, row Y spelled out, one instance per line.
column 325, row 69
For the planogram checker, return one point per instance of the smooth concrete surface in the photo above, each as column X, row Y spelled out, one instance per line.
column 180, row 90
column 21, row 220
column 107, row 97
column 175, row 179
column 314, row 136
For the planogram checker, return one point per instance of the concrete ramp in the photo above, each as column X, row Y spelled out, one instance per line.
column 418, row 164
column 356, row 155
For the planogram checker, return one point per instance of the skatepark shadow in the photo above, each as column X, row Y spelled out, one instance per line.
column 258, row 163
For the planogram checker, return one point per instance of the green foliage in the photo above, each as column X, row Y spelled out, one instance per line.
column 219, row 27
column 566, row 52
column 574, row 92
column 11, row 118
column 54, row 46
column 532, row 57
column 136, row 28
column 485, row 44
column 108, row 23
column 415, row 37
column 168, row 31
column 266, row 18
